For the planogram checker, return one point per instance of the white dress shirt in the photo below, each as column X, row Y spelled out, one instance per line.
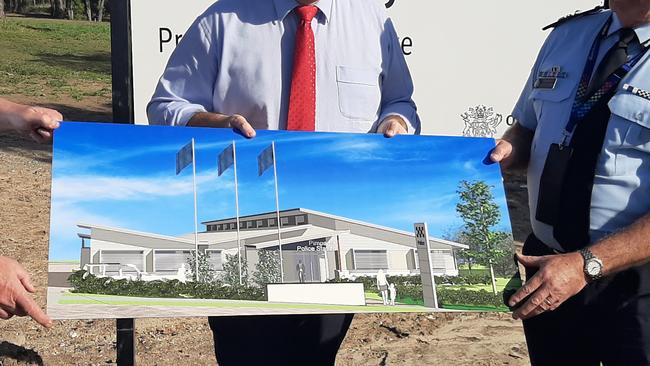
column 237, row 58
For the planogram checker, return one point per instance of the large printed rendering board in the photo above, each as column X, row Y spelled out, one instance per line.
column 123, row 241
column 469, row 59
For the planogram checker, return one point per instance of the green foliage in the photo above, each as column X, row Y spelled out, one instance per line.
column 480, row 214
column 267, row 268
column 83, row 282
column 467, row 297
column 370, row 283
column 206, row 272
column 230, row 274
column 470, row 279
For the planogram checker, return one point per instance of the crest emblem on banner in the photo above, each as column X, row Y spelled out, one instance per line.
column 481, row 121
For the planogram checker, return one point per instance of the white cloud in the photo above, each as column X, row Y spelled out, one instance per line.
column 85, row 188
column 64, row 242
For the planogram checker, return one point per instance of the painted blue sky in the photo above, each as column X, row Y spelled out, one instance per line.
column 124, row 176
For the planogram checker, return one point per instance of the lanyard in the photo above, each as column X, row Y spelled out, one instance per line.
column 582, row 106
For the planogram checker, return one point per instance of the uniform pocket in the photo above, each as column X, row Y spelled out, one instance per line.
column 630, row 126
column 545, row 98
column 359, row 92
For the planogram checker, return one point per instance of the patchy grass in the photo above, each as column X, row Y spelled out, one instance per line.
column 54, row 58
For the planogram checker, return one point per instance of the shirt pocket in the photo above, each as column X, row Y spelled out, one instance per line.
column 629, row 134
column 552, row 110
column 359, row 92
column 547, row 102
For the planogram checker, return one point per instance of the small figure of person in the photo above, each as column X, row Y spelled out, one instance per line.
column 382, row 286
column 300, row 268
column 393, row 293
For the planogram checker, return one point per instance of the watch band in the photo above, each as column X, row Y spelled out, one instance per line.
column 589, row 257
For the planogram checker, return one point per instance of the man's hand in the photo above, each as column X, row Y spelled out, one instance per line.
column 392, row 126
column 217, row 120
column 502, row 153
column 35, row 122
column 559, row 278
column 513, row 150
column 15, row 287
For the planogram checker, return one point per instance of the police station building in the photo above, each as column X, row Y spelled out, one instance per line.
column 315, row 246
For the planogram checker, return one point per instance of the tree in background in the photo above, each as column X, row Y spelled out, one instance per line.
column 231, row 270
column 480, row 214
column 206, row 271
column 92, row 10
column 267, row 268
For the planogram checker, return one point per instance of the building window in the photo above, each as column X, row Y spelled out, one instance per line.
column 273, row 223
column 123, row 259
column 301, row 220
column 250, row 224
column 233, row 226
column 261, row 223
column 284, row 221
column 442, row 259
column 170, row 261
column 370, row 259
column 215, row 259
column 220, row 227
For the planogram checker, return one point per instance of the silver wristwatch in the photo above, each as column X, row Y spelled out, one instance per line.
column 593, row 266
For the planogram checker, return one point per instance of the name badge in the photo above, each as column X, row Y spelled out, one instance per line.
column 548, row 79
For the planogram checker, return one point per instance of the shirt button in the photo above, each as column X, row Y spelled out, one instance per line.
column 639, row 116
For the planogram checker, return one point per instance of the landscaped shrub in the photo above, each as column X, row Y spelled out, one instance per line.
column 84, row 282
column 467, row 279
column 468, row 297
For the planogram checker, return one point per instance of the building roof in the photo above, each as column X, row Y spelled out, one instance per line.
column 341, row 219
column 267, row 237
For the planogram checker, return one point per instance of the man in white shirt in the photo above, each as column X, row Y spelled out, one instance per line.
column 327, row 65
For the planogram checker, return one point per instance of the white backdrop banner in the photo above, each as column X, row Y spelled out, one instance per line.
column 469, row 59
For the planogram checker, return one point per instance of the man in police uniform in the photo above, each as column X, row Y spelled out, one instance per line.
column 583, row 132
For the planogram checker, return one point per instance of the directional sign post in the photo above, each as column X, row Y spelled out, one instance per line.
column 424, row 259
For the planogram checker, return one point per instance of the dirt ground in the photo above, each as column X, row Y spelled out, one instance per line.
column 443, row 339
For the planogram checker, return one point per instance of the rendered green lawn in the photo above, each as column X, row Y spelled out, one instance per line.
column 91, row 299
column 501, row 284
column 42, row 57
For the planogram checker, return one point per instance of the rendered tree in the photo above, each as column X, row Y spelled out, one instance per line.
column 267, row 268
column 206, row 271
column 480, row 214
column 231, row 271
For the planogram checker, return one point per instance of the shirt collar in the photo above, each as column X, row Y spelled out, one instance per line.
column 642, row 31
column 284, row 7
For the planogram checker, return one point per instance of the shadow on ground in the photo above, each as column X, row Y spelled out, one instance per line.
column 99, row 62
column 76, row 113
column 18, row 353
column 10, row 142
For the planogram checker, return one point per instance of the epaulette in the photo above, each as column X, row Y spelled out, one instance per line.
column 576, row 15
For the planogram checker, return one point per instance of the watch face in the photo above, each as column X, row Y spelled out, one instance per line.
column 593, row 268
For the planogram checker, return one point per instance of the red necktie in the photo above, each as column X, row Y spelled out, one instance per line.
column 302, row 103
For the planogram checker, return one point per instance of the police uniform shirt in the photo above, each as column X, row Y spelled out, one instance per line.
column 621, row 192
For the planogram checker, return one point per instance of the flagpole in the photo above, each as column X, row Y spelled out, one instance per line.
column 277, row 210
column 234, row 158
column 196, row 221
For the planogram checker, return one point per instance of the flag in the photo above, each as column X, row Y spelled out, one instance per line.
column 265, row 160
column 184, row 157
column 226, row 159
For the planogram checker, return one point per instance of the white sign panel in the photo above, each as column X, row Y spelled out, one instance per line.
column 469, row 59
